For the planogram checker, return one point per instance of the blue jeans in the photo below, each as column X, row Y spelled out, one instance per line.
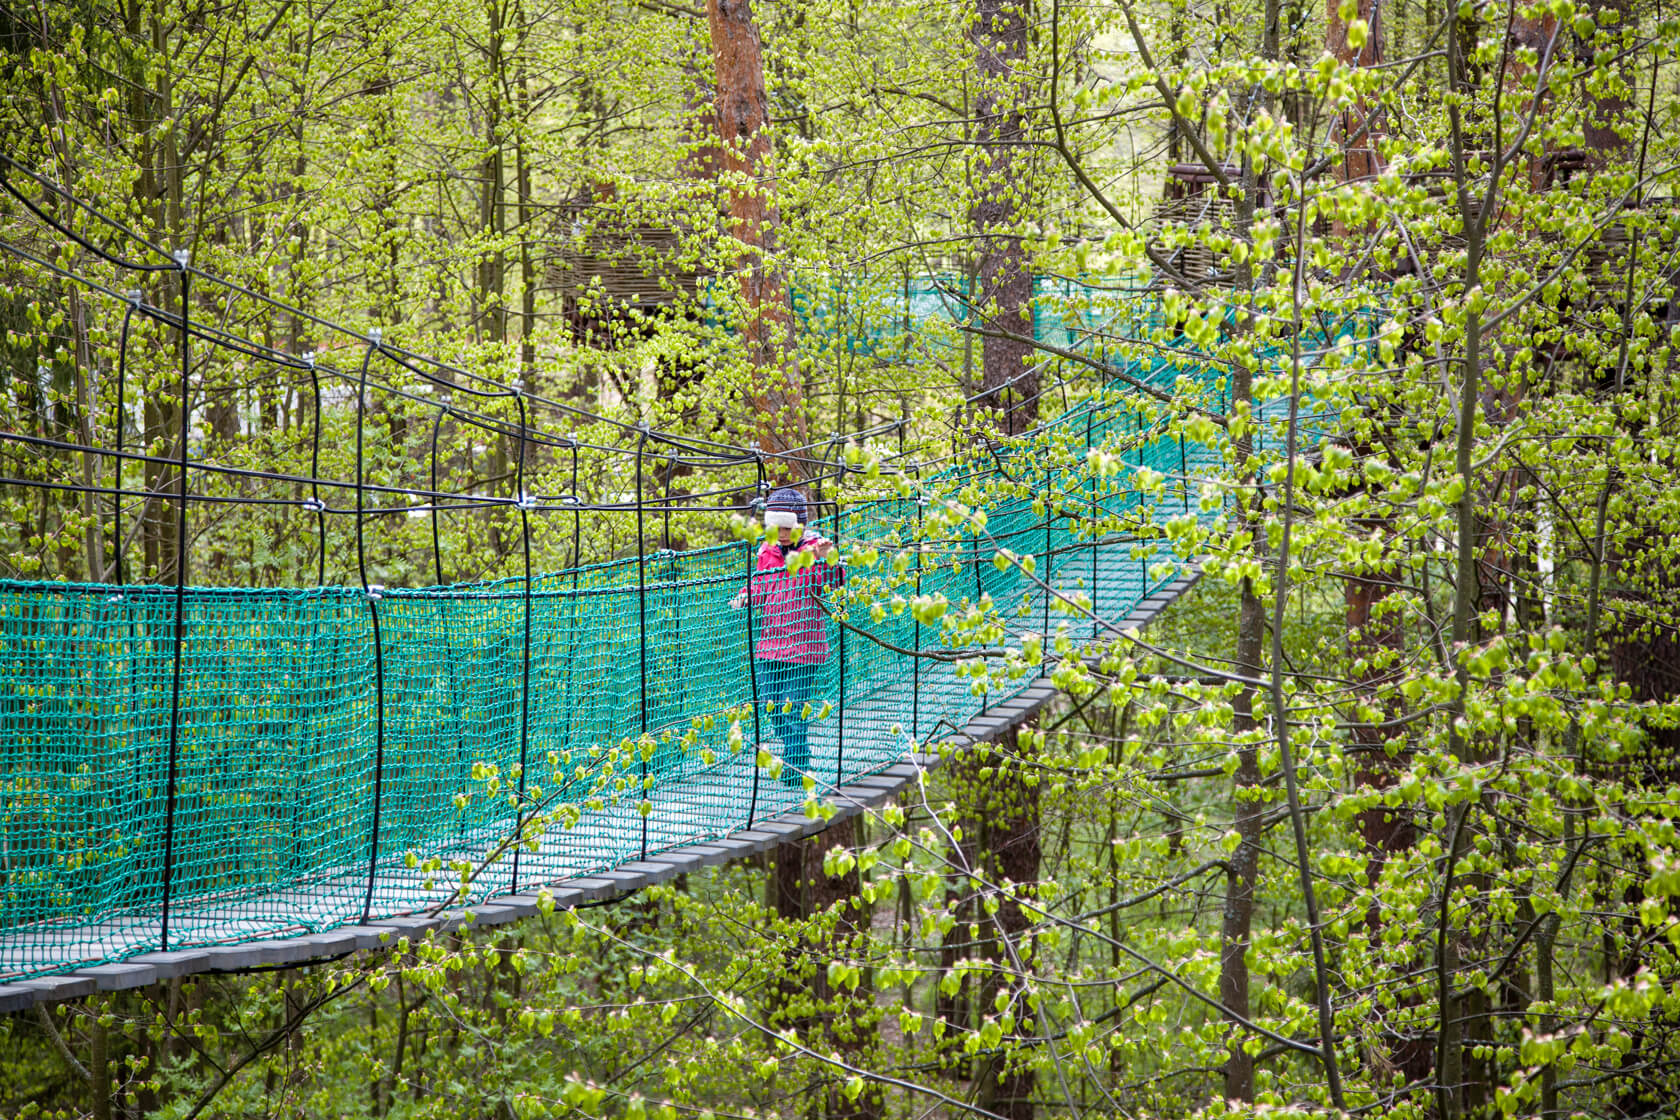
column 784, row 682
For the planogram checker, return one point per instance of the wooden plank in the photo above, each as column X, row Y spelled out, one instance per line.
column 516, row 906
column 710, row 854
column 807, row 826
column 370, row 936
column 15, row 997
column 51, row 989
column 484, row 914
column 565, row 898
column 782, row 830
column 845, row 810
column 274, row 951
column 648, row 871
column 120, row 977
column 414, row 927
column 623, row 882
column 180, row 962
column 333, row 943
column 237, row 958
column 681, row 859
column 591, row 888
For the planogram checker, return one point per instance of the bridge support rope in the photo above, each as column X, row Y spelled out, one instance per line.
column 371, row 593
column 172, row 777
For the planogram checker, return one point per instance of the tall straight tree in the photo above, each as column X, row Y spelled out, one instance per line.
column 743, row 117
column 1002, row 809
column 1004, row 286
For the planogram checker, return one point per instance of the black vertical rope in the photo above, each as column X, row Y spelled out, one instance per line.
column 916, row 624
column 525, row 656
column 752, row 659
column 641, row 625
column 1143, row 561
column 907, row 307
column 577, row 518
column 371, row 592
column 1044, row 654
column 573, row 607
column 676, row 676
column 134, row 298
column 670, row 473
column 840, row 731
column 443, row 621
column 300, row 798
column 437, row 547
column 822, row 469
column 1094, row 509
column 1183, row 473
column 314, row 501
column 170, row 789
column 979, row 588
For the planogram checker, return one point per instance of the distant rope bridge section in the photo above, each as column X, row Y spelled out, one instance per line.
column 199, row 776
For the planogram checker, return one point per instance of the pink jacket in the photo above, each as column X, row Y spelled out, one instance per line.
column 791, row 626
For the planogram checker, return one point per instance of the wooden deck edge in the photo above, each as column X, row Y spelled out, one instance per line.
column 597, row 887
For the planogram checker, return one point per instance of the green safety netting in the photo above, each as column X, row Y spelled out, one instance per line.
column 876, row 314
column 321, row 779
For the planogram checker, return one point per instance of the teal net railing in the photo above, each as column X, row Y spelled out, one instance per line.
column 878, row 314
column 319, row 780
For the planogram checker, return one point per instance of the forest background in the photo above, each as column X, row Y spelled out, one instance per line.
column 1379, row 820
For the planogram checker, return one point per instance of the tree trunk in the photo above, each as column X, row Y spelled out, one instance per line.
column 1004, row 288
column 1375, row 638
column 492, row 263
column 525, row 213
column 1242, row 869
column 1354, row 128
column 1002, row 812
column 803, row 890
column 1011, row 851
column 743, row 116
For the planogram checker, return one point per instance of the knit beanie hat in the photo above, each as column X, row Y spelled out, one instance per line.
column 788, row 499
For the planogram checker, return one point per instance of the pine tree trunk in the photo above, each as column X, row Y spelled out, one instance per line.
column 743, row 116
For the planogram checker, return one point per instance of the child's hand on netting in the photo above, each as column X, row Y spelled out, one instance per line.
column 739, row 601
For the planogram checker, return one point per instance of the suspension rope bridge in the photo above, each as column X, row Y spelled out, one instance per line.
column 223, row 778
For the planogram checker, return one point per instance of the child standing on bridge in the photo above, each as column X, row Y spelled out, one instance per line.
column 792, row 638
